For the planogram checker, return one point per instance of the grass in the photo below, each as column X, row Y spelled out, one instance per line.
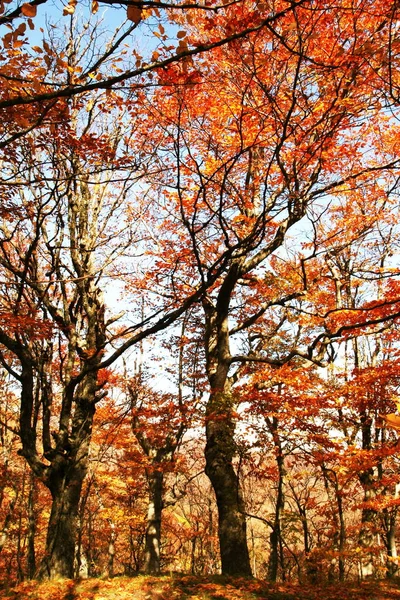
column 184, row 587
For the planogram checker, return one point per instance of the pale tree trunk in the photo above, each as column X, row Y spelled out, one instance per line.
column 112, row 536
column 275, row 557
column 80, row 559
column 89, row 552
column 367, row 540
column 31, row 556
column 389, row 518
column 339, row 537
column 111, row 550
column 7, row 522
column 160, row 453
column 153, row 530
column 367, row 537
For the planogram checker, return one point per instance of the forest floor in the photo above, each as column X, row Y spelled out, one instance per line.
column 181, row 587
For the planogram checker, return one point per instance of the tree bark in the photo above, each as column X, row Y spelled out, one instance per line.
column 367, row 536
column 64, row 478
column 61, row 533
column 391, row 549
column 31, row 556
column 220, row 429
column 276, row 533
column 152, row 563
column 219, row 452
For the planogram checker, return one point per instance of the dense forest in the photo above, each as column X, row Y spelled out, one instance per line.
column 200, row 289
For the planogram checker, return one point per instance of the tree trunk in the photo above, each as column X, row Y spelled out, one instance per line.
column 342, row 537
column 275, row 556
column 220, row 430
column 31, row 557
column 339, row 535
column 111, row 550
column 61, row 533
column 367, row 537
column 367, row 541
column 153, row 530
column 219, row 452
column 7, row 522
column 391, row 549
column 193, row 543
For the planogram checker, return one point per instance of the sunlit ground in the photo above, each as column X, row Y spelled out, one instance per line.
column 197, row 588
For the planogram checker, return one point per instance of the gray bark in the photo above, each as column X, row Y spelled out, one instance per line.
column 153, row 529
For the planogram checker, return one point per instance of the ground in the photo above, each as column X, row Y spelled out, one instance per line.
column 181, row 587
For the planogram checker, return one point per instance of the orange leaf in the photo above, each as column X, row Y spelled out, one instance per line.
column 7, row 40
column 20, row 29
column 134, row 13
column 183, row 47
column 28, row 10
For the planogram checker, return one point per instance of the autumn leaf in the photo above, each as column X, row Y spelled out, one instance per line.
column 183, row 47
column 70, row 8
column 28, row 10
column 134, row 14
column 392, row 420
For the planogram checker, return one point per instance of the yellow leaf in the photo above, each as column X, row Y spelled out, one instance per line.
column 392, row 420
column 95, row 6
column 28, row 10
column 70, row 8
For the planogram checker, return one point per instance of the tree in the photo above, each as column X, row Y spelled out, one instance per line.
column 24, row 71
column 72, row 228
column 233, row 151
column 255, row 146
column 159, row 423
